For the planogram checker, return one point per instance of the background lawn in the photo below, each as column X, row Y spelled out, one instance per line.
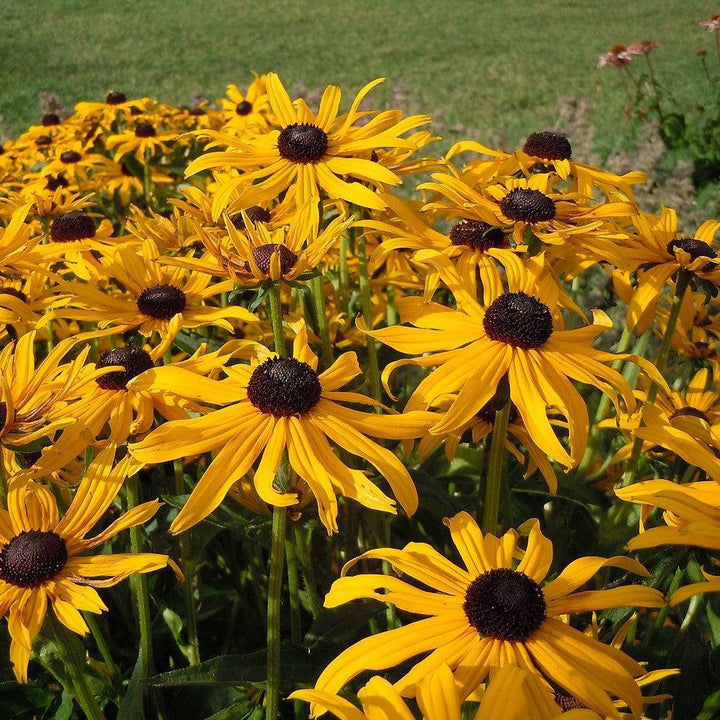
column 493, row 69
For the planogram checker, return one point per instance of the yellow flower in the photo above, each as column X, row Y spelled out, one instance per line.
column 659, row 253
column 278, row 405
column 147, row 295
column 573, row 230
column 250, row 252
column 513, row 333
column 513, row 694
column 547, row 150
column 492, row 614
column 243, row 110
column 312, row 150
column 692, row 517
column 143, row 139
column 42, row 558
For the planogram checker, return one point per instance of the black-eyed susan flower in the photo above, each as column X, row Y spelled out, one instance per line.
column 249, row 109
column 691, row 513
column 513, row 694
column 515, row 333
column 313, row 151
column 567, row 223
column 105, row 410
column 146, row 294
column 116, row 105
column 547, row 150
column 491, row 613
column 43, row 557
column 658, row 252
column 251, row 253
column 475, row 245
column 276, row 405
column 143, row 139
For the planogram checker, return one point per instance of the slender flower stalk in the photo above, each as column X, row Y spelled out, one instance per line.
column 75, row 667
column 188, row 568
column 139, row 584
column 277, row 547
column 496, row 470
column 373, row 369
column 680, row 288
column 318, row 293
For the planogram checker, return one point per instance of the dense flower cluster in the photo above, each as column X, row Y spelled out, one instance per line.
column 157, row 262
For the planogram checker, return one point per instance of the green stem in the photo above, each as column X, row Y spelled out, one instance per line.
column 344, row 283
column 293, row 591
column 75, row 667
column 630, row 373
column 276, row 320
column 302, row 546
column 680, row 288
column 365, row 299
column 496, row 468
column 277, row 559
column 318, row 292
column 139, row 585
column 188, row 568
column 147, row 181
column 277, row 547
column 102, row 644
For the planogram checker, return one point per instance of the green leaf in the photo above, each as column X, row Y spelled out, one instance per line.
column 65, row 711
column 23, row 701
column 298, row 666
column 131, row 706
column 340, row 625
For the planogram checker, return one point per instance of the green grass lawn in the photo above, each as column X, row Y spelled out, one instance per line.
column 497, row 67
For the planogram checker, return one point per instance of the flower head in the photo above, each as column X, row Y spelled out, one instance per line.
column 491, row 613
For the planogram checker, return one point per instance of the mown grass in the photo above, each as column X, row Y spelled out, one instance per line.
column 498, row 67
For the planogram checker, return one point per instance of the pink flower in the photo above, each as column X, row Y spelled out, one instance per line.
column 712, row 24
column 617, row 57
column 645, row 46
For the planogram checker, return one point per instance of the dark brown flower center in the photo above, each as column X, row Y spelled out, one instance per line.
column 70, row 156
column 243, row 108
column 567, row 702
column 519, row 320
column 530, row 206
column 32, row 557
column 50, row 119
column 28, row 459
column 72, row 226
column 488, row 412
column 115, row 98
column 694, row 248
column 688, row 411
column 255, row 214
column 548, row 146
column 263, row 257
column 162, row 301
column 144, row 130
column 302, row 143
column 284, row 387
column 505, row 604
column 135, row 361
column 43, row 140
column 58, row 181
column 476, row 234
column 19, row 294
